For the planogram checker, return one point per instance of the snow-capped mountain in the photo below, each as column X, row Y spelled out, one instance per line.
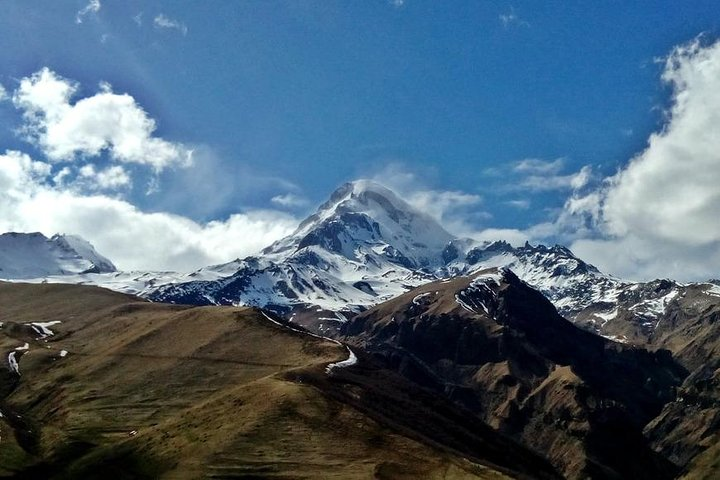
column 364, row 246
column 32, row 255
column 570, row 283
column 364, row 218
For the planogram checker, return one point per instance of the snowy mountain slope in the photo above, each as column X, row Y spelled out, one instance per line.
column 365, row 246
column 31, row 255
column 362, row 247
column 141, row 283
column 364, row 218
column 571, row 284
column 654, row 313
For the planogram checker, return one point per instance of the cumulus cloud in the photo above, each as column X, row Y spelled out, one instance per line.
column 3, row 93
column 463, row 213
column 535, row 175
column 513, row 236
column 92, row 7
column 441, row 203
column 105, row 121
column 92, row 148
column 111, row 178
column 165, row 22
column 658, row 216
column 32, row 200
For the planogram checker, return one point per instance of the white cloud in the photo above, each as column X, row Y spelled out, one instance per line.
column 111, row 178
column 457, row 211
column 133, row 239
column 162, row 21
column 538, row 166
column 520, row 204
column 138, row 19
column 397, row 3
column 658, row 216
column 289, row 200
column 538, row 175
column 79, row 190
column 105, row 121
column 59, row 179
column 511, row 18
column 93, row 6
column 3, row 93
column 541, row 183
column 441, row 203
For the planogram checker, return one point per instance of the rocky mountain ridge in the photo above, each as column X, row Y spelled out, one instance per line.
column 493, row 344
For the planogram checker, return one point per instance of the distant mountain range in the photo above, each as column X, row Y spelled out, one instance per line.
column 364, row 246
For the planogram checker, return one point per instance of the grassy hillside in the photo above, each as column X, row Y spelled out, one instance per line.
column 164, row 391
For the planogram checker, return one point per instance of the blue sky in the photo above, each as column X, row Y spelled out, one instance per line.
column 288, row 99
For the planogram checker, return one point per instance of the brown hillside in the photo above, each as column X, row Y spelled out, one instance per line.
column 164, row 391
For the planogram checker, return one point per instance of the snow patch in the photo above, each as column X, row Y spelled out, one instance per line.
column 42, row 328
column 13, row 363
column 416, row 300
column 469, row 307
column 616, row 338
column 714, row 290
column 484, row 278
column 305, row 332
column 606, row 316
column 351, row 360
column 463, row 304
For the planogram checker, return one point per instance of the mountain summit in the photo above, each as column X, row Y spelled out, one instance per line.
column 363, row 215
column 363, row 246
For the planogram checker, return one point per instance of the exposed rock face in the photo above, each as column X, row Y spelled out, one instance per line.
column 500, row 348
column 690, row 425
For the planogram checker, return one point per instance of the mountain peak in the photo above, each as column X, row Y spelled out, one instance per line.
column 355, row 188
column 357, row 196
column 364, row 215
